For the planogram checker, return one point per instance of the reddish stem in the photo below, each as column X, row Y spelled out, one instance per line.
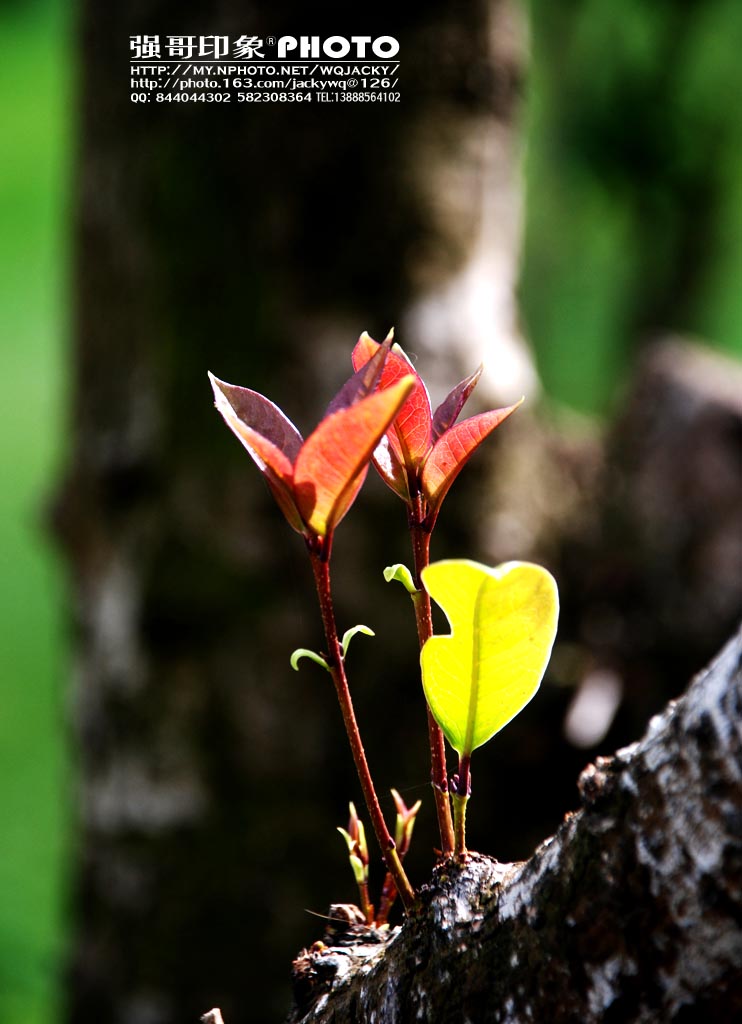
column 319, row 553
column 388, row 896
column 389, row 889
column 367, row 906
column 421, row 600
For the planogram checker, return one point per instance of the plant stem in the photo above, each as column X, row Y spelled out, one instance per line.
column 421, row 600
column 367, row 906
column 319, row 553
column 461, row 793
column 388, row 896
column 389, row 890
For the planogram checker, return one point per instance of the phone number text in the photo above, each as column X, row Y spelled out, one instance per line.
column 266, row 97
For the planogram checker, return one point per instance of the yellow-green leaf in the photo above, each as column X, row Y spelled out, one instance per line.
column 503, row 623
column 402, row 574
column 304, row 652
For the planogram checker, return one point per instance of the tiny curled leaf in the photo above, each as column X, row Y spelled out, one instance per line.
column 350, row 633
column 303, row 652
column 402, row 574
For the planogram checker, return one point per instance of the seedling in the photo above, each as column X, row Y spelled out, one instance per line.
column 419, row 458
column 503, row 620
column 355, row 838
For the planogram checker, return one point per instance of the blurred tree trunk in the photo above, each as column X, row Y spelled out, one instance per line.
column 630, row 913
column 257, row 244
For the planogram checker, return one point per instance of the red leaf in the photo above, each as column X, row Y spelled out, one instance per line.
column 366, row 347
column 411, row 435
column 452, row 450
column 365, row 379
column 275, row 464
column 391, row 469
column 447, row 412
column 331, row 459
column 241, row 405
column 285, row 501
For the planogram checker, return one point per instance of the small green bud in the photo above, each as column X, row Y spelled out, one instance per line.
column 402, row 574
column 303, row 652
column 405, row 822
column 360, row 870
column 350, row 633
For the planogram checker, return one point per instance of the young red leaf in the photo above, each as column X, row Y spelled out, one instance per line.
column 271, row 439
column 391, row 469
column 365, row 379
column 327, row 469
column 447, row 412
column 366, row 347
column 450, row 452
column 387, row 458
column 409, row 440
column 241, row 406
column 413, row 426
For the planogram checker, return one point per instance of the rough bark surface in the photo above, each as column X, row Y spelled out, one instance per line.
column 631, row 912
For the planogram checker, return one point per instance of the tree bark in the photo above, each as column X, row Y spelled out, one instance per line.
column 630, row 912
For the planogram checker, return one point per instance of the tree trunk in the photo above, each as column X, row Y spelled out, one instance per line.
column 630, row 913
column 257, row 243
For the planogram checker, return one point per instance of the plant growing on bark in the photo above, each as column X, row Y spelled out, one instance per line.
column 503, row 620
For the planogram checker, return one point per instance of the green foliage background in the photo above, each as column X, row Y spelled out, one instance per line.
column 36, row 119
column 634, row 225
column 634, row 192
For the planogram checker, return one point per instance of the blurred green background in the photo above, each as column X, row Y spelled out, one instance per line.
column 634, row 192
column 36, row 128
column 634, row 226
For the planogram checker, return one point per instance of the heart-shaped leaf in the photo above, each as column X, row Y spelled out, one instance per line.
column 328, row 468
column 454, row 448
column 503, row 623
